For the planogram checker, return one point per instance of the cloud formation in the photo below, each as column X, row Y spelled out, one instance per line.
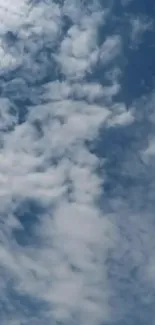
column 54, row 237
column 62, row 249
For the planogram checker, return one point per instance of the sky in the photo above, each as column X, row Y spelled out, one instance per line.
column 77, row 155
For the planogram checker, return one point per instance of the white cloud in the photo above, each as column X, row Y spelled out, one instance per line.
column 124, row 119
column 46, row 159
column 17, row 8
column 79, row 51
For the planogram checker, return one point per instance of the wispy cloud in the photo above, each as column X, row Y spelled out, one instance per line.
column 110, row 49
column 139, row 26
column 60, row 248
column 45, row 160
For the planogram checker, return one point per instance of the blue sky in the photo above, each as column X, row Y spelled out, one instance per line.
column 77, row 154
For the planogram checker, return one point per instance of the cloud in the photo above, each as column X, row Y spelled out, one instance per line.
column 74, row 237
column 110, row 49
column 14, row 11
column 139, row 26
column 46, row 164
column 122, row 117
